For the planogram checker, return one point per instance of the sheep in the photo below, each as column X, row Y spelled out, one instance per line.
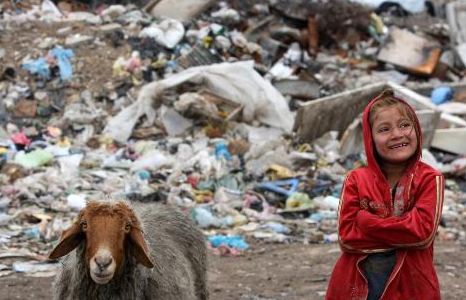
column 131, row 252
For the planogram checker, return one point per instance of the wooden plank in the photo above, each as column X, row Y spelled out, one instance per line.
column 334, row 112
column 338, row 111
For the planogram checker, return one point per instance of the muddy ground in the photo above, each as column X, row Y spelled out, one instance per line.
column 272, row 271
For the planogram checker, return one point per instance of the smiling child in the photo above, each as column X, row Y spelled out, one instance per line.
column 389, row 212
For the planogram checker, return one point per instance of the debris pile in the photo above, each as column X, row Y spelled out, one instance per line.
column 245, row 114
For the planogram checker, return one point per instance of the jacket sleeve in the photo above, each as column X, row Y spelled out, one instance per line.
column 414, row 229
column 351, row 237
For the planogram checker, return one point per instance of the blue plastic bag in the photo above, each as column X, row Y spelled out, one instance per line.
column 42, row 68
column 63, row 57
column 233, row 241
column 39, row 67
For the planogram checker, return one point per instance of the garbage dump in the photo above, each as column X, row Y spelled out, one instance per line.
column 244, row 114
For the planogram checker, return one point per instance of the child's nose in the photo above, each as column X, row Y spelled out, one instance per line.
column 398, row 132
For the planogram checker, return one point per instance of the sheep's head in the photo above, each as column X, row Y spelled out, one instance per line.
column 107, row 228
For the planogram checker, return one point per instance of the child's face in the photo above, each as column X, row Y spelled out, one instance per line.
column 394, row 135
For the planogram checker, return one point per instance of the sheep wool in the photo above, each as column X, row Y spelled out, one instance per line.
column 179, row 256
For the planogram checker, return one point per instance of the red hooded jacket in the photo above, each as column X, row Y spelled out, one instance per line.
column 367, row 223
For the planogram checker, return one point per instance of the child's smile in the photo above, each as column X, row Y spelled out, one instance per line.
column 398, row 145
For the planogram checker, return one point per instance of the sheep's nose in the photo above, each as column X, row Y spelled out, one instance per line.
column 103, row 261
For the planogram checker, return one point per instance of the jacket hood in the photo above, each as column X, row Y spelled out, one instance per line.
column 369, row 147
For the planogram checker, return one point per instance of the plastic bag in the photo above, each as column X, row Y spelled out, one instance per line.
column 63, row 57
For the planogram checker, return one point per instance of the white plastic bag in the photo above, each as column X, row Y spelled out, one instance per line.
column 238, row 82
column 167, row 33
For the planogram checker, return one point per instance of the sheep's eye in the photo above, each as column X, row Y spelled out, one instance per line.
column 84, row 225
column 127, row 227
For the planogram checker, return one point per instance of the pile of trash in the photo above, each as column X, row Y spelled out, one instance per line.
column 244, row 114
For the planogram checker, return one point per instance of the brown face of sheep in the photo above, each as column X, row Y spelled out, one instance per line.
column 107, row 229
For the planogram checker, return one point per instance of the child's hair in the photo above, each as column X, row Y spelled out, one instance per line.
column 388, row 99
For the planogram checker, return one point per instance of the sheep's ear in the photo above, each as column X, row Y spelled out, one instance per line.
column 70, row 239
column 139, row 247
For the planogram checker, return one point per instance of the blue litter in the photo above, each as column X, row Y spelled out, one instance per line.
column 32, row 233
column 42, row 68
column 63, row 57
column 143, row 175
column 233, row 241
column 205, row 219
column 221, row 150
column 323, row 215
column 279, row 186
column 276, row 227
column 442, row 95
column 39, row 67
column 337, row 189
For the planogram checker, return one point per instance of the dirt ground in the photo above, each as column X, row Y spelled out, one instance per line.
column 92, row 63
column 272, row 271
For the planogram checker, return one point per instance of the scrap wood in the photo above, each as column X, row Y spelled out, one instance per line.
column 313, row 29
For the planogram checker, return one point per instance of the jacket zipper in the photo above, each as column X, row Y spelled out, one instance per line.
column 402, row 261
column 408, row 196
column 393, row 276
column 365, row 279
column 399, row 266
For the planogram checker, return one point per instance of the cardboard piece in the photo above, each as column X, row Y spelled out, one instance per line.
column 410, row 52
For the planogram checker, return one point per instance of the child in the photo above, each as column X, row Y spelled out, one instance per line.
column 389, row 212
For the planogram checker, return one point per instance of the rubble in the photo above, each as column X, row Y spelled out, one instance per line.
column 245, row 114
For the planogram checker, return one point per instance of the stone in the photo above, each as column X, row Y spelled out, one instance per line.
column 78, row 39
column 182, row 11
column 109, row 27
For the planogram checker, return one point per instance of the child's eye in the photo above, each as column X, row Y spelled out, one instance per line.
column 405, row 125
column 382, row 130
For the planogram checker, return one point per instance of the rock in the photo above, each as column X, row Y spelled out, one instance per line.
column 64, row 31
column 40, row 96
column 113, row 12
column 109, row 27
column 47, row 43
column 179, row 10
column 78, row 39
column 86, row 17
column 302, row 89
